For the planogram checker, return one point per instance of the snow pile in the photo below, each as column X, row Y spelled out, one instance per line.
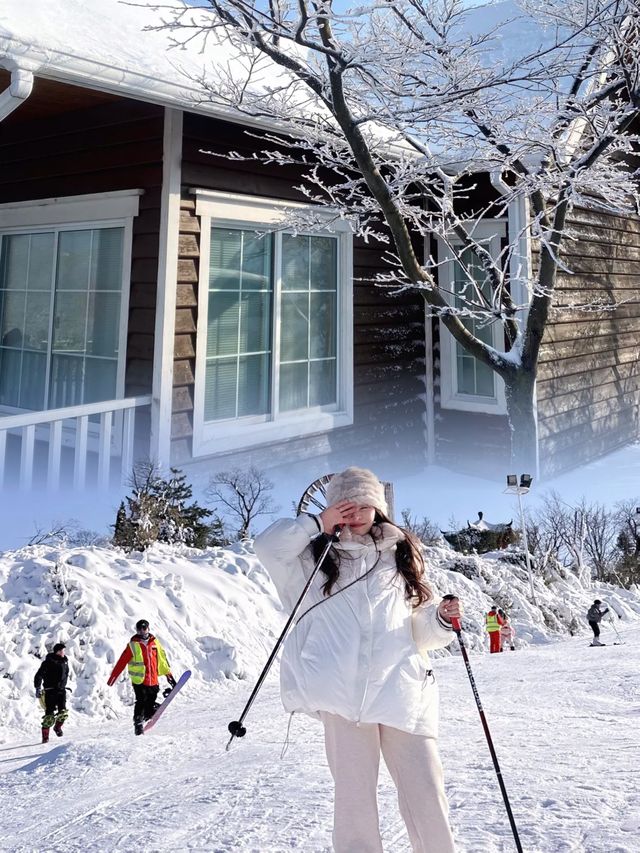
column 216, row 612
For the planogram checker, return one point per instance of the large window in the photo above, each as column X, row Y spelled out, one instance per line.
column 274, row 332
column 62, row 306
column 467, row 383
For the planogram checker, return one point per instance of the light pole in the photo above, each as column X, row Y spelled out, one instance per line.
column 513, row 488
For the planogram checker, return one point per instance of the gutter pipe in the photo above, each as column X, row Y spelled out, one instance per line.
column 18, row 90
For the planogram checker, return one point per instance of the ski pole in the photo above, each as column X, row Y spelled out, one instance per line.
column 235, row 726
column 457, row 627
column 613, row 625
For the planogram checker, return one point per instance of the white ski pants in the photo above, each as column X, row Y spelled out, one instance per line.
column 353, row 752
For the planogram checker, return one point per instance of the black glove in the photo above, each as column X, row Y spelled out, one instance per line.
column 38, row 692
column 172, row 681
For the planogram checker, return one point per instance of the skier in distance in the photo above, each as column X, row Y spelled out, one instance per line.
column 594, row 617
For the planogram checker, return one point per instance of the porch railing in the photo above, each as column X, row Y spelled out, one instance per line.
column 108, row 440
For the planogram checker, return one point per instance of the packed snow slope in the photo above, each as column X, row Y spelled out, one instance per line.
column 564, row 716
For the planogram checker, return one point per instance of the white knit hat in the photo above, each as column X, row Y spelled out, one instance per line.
column 357, row 485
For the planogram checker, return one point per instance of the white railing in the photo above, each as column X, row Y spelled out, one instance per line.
column 70, row 427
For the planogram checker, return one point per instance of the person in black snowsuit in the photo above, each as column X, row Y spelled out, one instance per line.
column 594, row 616
column 51, row 679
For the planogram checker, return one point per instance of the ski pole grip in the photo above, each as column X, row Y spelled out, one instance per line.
column 455, row 621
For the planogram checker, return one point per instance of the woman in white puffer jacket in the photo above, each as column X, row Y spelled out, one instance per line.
column 357, row 659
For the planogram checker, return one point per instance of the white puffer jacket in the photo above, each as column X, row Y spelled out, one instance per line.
column 361, row 653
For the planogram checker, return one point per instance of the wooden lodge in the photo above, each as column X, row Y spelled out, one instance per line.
column 142, row 316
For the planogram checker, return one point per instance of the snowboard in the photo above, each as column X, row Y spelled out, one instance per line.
column 163, row 707
column 593, row 646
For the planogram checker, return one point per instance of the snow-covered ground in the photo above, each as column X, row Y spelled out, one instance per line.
column 564, row 716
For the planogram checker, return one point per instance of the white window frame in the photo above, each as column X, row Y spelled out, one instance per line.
column 228, row 210
column 490, row 232
column 81, row 213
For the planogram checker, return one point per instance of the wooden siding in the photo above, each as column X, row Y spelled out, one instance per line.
column 471, row 442
column 388, row 332
column 71, row 141
column 589, row 372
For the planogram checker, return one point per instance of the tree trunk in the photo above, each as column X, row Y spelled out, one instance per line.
column 519, row 390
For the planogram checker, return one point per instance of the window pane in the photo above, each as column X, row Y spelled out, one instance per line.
column 484, row 380
column 33, row 375
column 10, row 360
column 323, row 265
column 323, row 325
column 255, row 332
column 293, row 386
column 256, row 261
column 466, row 375
column 103, row 324
column 74, row 259
column 220, row 389
column 322, row 382
column 41, row 262
column 67, row 380
column 69, row 322
column 253, row 379
column 294, row 330
column 36, row 331
column 225, row 259
column 222, row 324
column 239, row 324
column 474, row 378
column 14, row 262
column 100, row 376
column 106, row 260
column 13, row 308
column 295, row 262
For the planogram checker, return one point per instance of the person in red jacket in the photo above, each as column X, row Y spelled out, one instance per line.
column 146, row 660
column 494, row 624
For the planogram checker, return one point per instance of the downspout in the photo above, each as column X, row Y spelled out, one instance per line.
column 18, row 91
column 519, row 264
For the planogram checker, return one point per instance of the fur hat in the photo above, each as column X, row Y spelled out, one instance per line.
column 357, row 485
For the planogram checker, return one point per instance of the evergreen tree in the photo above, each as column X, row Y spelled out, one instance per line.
column 162, row 509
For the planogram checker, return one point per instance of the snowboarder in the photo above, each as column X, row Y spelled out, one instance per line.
column 357, row 660
column 507, row 633
column 51, row 679
column 494, row 622
column 146, row 660
column 594, row 617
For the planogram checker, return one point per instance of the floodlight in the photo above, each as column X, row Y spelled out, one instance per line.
column 512, row 479
column 525, row 481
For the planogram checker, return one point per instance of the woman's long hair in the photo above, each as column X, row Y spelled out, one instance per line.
column 409, row 561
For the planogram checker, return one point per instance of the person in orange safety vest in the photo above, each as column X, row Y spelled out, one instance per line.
column 494, row 624
column 146, row 660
